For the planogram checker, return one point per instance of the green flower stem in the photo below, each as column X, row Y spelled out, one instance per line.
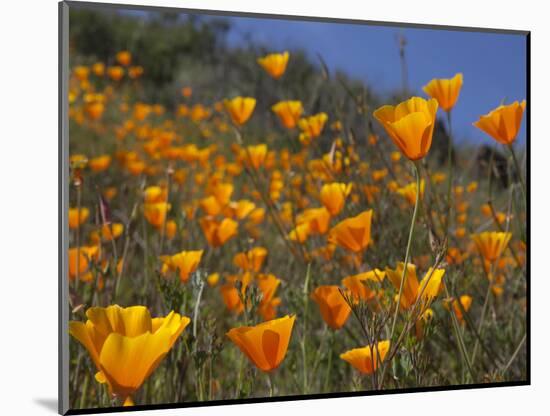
column 407, row 257
column 518, row 171
column 449, row 175
column 482, row 318
column 459, row 337
column 303, row 343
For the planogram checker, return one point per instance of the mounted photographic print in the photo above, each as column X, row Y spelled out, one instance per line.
column 265, row 208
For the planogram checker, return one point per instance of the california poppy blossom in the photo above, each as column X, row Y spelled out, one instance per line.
column 274, row 64
column 241, row 209
column 445, row 91
column 81, row 72
column 465, row 301
column 410, row 125
column 240, row 109
column 300, row 233
column 491, row 244
column 251, row 260
column 358, row 284
column 80, row 259
column 78, row 216
column 313, row 125
column 155, row 213
column 100, row 163
column 186, row 262
column 218, row 232
column 409, row 191
column 268, row 284
column 155, row 194
column 126, row 344
column 427, row 290
column 255, row 155
column 124, row 58
column 367, row 359
column 333, row 196
column 115, row 72
column 353, row 233
column 503, row 123
column 317, row 220
column 111, row 231
column 264, row 344
column 230, row 294
column 288, row 112
column 332, row 305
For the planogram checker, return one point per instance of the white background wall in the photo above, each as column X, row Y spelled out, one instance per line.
column 28, row 204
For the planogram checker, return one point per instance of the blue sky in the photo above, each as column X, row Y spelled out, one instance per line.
column 494, row 65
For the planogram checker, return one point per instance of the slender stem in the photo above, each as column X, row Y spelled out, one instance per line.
column 518, row 170
column 459, row 337
column 514, row 355
column 482, row 320
column 306, row 303
column 78, row 206
column 329, row 364
column 82, row 404
column 407, row 256
column 239, row 377
column 449, row 174
column 270, row 384
column 197, row 308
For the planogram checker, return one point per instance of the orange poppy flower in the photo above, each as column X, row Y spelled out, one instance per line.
column 268, row 284
column 288, row 112
column 255, row 155
column 112, row 231
column 126, row 344
column 98, row 69
column 124, row 58
column 445, row 91
column 333, row 196
column 410, row 125
column 264, row 344
column 241, row 209
column 317, row 220
column 503, row 123
column 78, row 217
column 186, row 262
column 155, row 194
column 100, row 163
column 213, row 279
column 353, row 234
column 274, row 64
column 81, row 72
column 171, row 229
column 367, row 359
column 428, row 288
column 115, row 73
column 491, row 244
column 312, row 126
column 251, row 260
column 155, row 213
column 357, row 284
column 217, row 233
column 240, row 109
column 300, row 233
column 334, row 308
column 409, row 191
column 465, row 301
column 230, row 293
column 83, row 256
